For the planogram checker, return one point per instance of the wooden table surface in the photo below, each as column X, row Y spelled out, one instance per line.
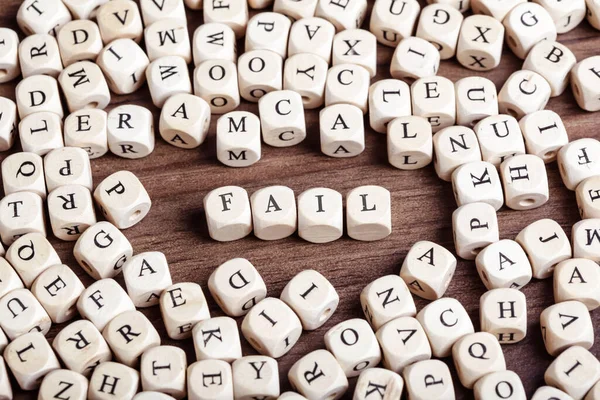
column 422, row 205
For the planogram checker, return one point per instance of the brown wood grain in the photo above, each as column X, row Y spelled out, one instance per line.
column 177, row 180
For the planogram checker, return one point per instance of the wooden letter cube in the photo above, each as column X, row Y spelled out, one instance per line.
column 565, row 16
column 380, row 381
column 356, row 46
column 124, row 65
column 526, row 25
column 546, row 245
column 544, row 134
column 184, row 120
column 216, row 81
column 593, row 17
column 577, row 279
column 66, row 166
column 272, row 327
column 163, row 369
column 311, row 35
column 354, row 345
column 209, row 379
column 312, row 298
column 453, row 147
column 84, row 86
column 259, row 72
column 168, row 37
column 274, row 212
column 348, row 84
column 228, row 213
column 428, row 269
column 500, row 384
column 428, row 379
column 30, row 255
column 480, row 43
column 41, row 132
column 58, row 289
column 9, row 281
column 433, row 98
column 549, row 392
column 217, row 338
column 566, row 324
column 318, row 375
column 579, row 160
column 30, row 358
column 236, row 286
column 392, row 21
column 477, row 181
column 476, row 355
column 168, row 9
column 495, row 9
column 414, row 58
column 81, row 347
column 87, row 129
column 214, row 41
column 306, row 74
column 503, row 313
column 342, row 130
column 79, row 40
column 268, row 31
column 36, row 94
column 21, row 213
column 320, row 215
column 71, row 211
column 588, row 194
column 345, row 14
column 385, row 299
column 575, row 371
column 102, row 301
column 122, row 199
column 146, row 276
column 294, row 9
column 238, row 139
column 9, row 55
column 112, row 380
column 444, row 321
column 42, row 17
column 403, row 342
column 102, row 250
column 233, row 13
column 24, row 172
column 583, row 74
column 8, row 122
column 255, row 377
column 476, row 99
column 120, row 19
column 369, row 213
column 554, row 62
column 182, row 305
column 524, row 92
column 586, row 239
column 166, row 77
column 503, row 264
column 129, row 335
column 440, row 24
column 388, row 99
column 39, row 55
column 525, row 182
column 63, row 382
column 21, row 313
column 499, row 137
column 409, row 142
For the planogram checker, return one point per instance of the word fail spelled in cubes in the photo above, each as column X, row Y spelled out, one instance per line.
column 312, row 298
column 403, row 342
column 272, row 327
column 380, row 381
column 476, row 355
column 480, row 43
column 274, row 213
column 123, row 199
column 503, row 264
column 354, row 346
column 445, row 321
column 200, row 388
column 216, row 81
column 236, row 286
column 238, row 139
column 228, row 214
column 409, row 142
column 348, row 84
column 259, row 72
column 255, row 377
column 129, row 335
column 577, row 279
column 113, row 380
column 503, row 313
column 342, row 130
column 102, row 301
column 124, row 65
column 30, row 358
column 428, row 269
column 58, row 289
column 574, row 371
column 428, row 379
column 71, row 211
column 163, row 369
column 320, row 215
column 318, row 375
column 146, row 276
column 282, row 118
column 566, row 324
column 184, row 120
column 369, row 213
column 414, row 58
column 388, row 99
column 21, row 312
column 81, row 347
column 385, row 299
column 546, row 245
column 182, row 305
column 217, row 338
